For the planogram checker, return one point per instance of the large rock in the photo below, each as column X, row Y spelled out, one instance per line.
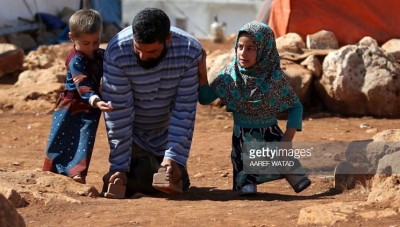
column 46, row 187
column 378, row 157
column 393, row 47
column 55, row 74
column 365, row 155
column 217, row 62
column 326, row 215
column 11, row 58
column 13, row 196
column 9, row 215
column 299, row 78
column 389, row 164
column 322, row 40
column 47, row 56
column 35, row 91
column 313, row 64
column 360, row 80
column 290, row 42
column 386, row 188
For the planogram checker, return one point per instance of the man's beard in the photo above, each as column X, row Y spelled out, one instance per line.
column 152, row 62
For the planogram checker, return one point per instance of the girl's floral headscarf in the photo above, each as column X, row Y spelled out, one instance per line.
column 262, row 89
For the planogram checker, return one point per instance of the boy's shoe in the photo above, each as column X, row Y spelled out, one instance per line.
column 79, row 178
column 298, row 182
column 161, row 182
column 116, row 190
column 249, row 189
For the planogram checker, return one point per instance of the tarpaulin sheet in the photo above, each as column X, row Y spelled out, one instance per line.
column 349, row 20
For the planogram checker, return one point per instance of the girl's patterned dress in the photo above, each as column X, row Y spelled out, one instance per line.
column 255, row 96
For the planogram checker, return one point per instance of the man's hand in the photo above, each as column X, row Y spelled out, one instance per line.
column 120, row 175
column 173, row 170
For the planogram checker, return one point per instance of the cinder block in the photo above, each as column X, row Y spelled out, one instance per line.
column 116, row 190
column 162, row 183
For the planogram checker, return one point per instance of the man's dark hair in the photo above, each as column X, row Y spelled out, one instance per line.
column 151, row 25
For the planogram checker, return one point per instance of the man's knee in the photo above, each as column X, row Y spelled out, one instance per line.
column 140, row 177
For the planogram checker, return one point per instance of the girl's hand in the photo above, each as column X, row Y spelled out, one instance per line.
column 286, row 141
column 103, row 106
column 203, row 69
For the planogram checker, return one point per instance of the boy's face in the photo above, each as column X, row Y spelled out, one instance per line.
column 87, row 43
column 246, row 52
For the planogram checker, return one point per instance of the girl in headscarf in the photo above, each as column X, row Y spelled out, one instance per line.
column 255, row 89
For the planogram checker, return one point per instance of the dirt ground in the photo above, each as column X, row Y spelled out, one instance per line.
column 209, row 201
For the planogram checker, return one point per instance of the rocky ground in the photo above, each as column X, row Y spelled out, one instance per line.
column 209, row 201
column 53, row 200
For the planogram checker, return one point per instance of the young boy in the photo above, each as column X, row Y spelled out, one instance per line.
column 78, row 109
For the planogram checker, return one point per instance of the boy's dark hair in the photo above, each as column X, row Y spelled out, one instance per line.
column 85, row 21
column 151, row 25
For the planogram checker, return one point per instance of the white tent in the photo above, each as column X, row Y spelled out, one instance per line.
column 11, row 10
column 196, row 16
column 19, row 15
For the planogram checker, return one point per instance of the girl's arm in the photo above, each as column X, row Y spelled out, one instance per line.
column 206, row 94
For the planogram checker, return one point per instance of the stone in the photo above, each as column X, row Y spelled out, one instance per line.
column 360, row 80
column 9, row 215
column 325, row 215
column 11, row 58
column 291, row 42
column 344, row 176
column 322, row 40
column 313, row 64
column 392, row 47
column 299, row 78
column 13, row 196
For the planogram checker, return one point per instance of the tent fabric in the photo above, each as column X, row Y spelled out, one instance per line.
column 110, row 11
column 51, row 21
column 349, row 20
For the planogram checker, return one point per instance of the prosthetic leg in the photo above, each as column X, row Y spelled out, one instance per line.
column 298, row 182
